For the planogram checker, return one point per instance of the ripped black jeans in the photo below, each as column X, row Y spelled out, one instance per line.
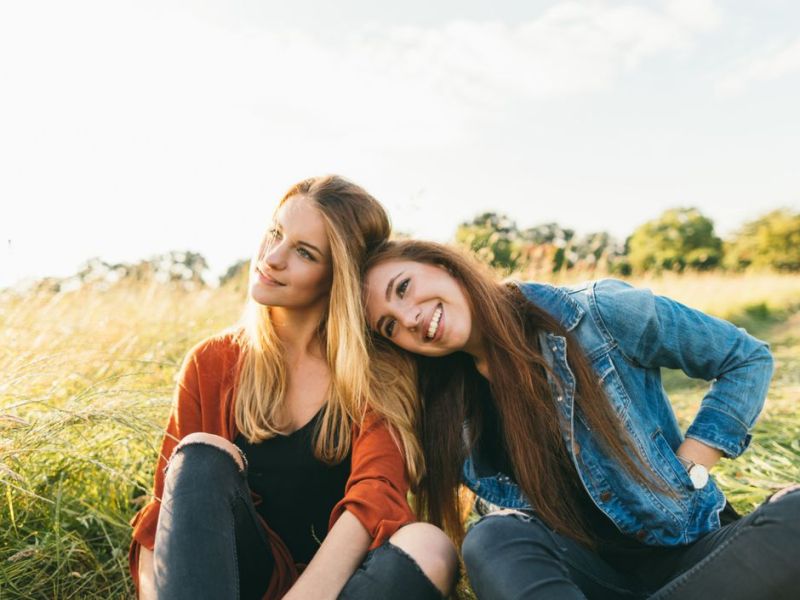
column 517, row 556
column 209, row 543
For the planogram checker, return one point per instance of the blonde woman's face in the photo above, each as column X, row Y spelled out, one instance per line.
column 418, row 306
column 292, row 268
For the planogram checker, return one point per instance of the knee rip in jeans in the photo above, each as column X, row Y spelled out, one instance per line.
column 509, row 512
column 520, row 515
column 181, row 445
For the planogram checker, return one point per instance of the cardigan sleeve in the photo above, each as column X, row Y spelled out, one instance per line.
column 377, row 491
column 185, row 418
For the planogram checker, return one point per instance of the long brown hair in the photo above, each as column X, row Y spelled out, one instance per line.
column 521, row 393
column 355, row 224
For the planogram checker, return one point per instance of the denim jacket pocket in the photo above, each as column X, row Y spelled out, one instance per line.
column 673, row 472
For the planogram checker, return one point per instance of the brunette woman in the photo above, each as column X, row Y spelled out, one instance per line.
column 282, row 472
column 586, row 484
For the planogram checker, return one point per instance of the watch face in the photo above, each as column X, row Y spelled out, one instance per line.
column 699, row 476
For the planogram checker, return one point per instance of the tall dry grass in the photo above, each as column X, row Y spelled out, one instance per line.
column 86, row 384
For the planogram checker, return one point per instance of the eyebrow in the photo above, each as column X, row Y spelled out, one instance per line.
column 312, row 246
column 389, row 286
column 381, row 320
column 379, row 324
column 279, row 225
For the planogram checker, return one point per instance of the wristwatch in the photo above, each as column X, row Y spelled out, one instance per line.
column 697, row 473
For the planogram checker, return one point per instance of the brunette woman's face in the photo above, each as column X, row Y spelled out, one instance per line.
column 293, row 266
column 418, row 306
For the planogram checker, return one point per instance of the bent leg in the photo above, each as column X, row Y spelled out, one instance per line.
column 432, row 550
column 209, row 542
column 418, row 561
column 755, row 557
column 514, row 556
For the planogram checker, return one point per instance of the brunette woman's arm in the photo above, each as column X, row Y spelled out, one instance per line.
column 655, row 331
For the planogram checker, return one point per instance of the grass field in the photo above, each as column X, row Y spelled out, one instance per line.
column 86, row 385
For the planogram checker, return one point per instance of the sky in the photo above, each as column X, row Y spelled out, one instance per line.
column 132, row 128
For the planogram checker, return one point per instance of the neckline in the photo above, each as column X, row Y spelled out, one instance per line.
column 311, row 421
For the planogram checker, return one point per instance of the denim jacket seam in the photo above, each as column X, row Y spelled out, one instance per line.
column 601, row 351
column 734, row 418
column 597, row 318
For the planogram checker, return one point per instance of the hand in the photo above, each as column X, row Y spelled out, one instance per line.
column 781, row 493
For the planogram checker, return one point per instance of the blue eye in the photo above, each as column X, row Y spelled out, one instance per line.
column 304, row 253
column 389, row 328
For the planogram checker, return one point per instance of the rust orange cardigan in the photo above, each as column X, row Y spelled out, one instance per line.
column 375, row 493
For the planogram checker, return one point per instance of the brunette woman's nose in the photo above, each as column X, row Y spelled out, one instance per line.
column 411, row 318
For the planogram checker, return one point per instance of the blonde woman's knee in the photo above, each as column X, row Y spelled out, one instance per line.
column 210, row 439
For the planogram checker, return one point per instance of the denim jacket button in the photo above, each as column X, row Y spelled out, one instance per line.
column 560, row 399
column 605, row 496
column 641, row 534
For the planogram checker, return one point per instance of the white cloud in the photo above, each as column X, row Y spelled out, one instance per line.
column 701, row 15
column 775, row 62
column 146, row 64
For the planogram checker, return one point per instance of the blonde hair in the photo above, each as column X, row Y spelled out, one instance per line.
column 356, row 223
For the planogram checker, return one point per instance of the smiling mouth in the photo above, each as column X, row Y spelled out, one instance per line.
column 268, row 279
column 433, row 327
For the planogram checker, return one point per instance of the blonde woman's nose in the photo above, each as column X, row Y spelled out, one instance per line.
column 275, row 256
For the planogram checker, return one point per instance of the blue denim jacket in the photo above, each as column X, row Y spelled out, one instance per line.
column 628, row 334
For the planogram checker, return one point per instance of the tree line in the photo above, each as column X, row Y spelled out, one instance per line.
column 680, row 239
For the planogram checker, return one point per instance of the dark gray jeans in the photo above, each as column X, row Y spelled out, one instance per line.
column 753, row 558
column 209, row 543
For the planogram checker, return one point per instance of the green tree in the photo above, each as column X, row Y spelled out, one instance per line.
column 680, row 238
column 493, row 238
column 771, row 241
column 550, row 234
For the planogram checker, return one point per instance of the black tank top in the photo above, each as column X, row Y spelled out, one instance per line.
column 297, row 491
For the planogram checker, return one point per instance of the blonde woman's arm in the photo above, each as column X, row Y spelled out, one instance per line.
column 147, row 587
column 338, row 557
column 374, row 507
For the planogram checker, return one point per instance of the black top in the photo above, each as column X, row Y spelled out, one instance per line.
column 297, row 491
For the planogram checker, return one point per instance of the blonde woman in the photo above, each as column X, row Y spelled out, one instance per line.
column 282, row 473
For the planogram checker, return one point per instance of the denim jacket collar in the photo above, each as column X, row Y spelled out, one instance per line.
column 554, row 301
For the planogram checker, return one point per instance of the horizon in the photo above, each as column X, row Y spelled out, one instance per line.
column 213, row 274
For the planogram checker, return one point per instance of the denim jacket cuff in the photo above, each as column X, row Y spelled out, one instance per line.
column 720, row 430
